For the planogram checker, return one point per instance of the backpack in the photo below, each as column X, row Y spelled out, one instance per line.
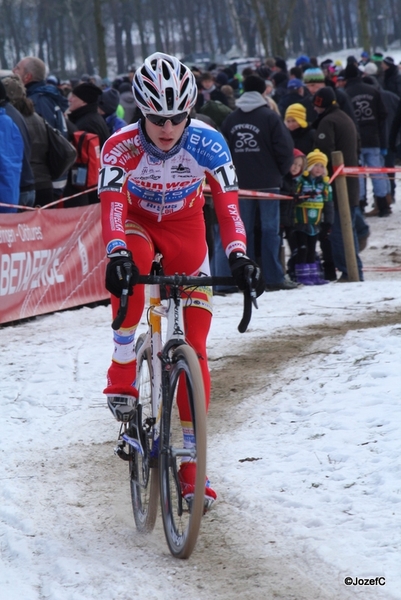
column 85, row 171
column 12, row 148
column 61, row 155
column 216, row 110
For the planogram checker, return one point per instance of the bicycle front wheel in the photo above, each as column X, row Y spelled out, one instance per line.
column 144, row 472
column 181, row 521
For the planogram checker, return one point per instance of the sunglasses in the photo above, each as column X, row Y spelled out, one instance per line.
column 161, row 121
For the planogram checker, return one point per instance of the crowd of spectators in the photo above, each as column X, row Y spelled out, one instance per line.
column 353, row 107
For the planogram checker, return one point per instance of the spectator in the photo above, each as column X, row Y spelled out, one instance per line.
column 303, row 136
column 391, row 76
column 289, row 188
column 131, row 111
column 38, row 134
column 315, row 80
column 83, row 112
column 313, row 212
column 229, row 93
column 295, row 94
column 11, row 155
column 335, row 131
column 27, row 181
column 208, row 91
column 371, row 115
column 83, row 115
column 48, row 101
column 262, row 152
column 391, row 102
column 107, row 105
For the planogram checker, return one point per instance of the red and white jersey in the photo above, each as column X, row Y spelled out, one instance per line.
column 134, row 184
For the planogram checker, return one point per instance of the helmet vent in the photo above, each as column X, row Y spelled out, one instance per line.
column 170, row 98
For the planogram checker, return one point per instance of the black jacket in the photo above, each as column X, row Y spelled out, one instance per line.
column 370, row 113
column 260, row 144
column 87, row 118
column 335, row 131
column 392, row 80
column 304, row 139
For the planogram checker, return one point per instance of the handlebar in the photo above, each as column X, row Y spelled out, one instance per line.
column 188, row 281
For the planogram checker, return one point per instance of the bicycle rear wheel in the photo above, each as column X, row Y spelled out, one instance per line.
column 182, row 522
column 144, row 472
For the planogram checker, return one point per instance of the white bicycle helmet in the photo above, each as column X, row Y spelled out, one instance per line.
column 164, row 86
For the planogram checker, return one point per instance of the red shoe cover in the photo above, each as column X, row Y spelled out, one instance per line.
column 187, row 476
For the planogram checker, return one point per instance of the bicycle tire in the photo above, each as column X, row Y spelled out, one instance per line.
column 181, row 530
column 144, row 472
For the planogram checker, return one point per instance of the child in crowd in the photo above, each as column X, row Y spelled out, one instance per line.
column 302, row 134
column 313, row 207
column 289, row 188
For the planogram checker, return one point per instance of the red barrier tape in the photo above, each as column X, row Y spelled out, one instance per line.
column 340, row 170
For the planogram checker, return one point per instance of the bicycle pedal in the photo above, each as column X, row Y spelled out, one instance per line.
column 120, row 452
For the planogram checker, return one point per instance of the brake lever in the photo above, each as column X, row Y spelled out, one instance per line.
column 122, row 309
column 251, row 290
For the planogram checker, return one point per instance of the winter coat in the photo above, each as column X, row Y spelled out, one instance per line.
column 370, row 113
column 12, row 148
column 87, row 118
column 40, row 148
column 304, row 139
column 335, row 131
column 260, row 143
column 49, row 102
column 27, row 180
column 309, row 212
column 114, row 123
column 395, row 129
column 392, row 80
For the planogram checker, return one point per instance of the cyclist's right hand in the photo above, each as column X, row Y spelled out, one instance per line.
column 121, row 272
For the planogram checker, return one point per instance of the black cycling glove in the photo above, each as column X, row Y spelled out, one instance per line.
column 239, row 264
column 120, row 268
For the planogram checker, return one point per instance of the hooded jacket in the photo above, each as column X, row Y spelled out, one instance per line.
column 260, row 143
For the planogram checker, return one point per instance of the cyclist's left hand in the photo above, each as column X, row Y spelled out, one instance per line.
column 238, row 262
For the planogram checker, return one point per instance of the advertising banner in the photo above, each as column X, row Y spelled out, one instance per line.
column 50, row 260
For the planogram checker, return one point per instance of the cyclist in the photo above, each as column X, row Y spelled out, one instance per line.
column 150, row 186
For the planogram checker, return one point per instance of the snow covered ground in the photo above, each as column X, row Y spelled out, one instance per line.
column 305, row 458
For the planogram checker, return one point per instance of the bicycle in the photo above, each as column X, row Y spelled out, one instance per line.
column 152, row 440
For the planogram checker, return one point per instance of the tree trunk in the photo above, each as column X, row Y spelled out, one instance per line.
column 261, row 24
column 363, row 17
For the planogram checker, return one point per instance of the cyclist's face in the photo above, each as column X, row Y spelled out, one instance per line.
column 165, row 137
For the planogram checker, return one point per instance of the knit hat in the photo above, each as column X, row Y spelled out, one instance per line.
column 280, row 63
column 377, row 57
column 324, row 97
column 316, row 157
column 298, row 113
column 15, row 89
column 109, row 100
column 296, row 153
column 370, row 69
column 88, row 92
column 389, row 61
column 314, row 75
column 254, row 83
column 302, row 60
column 365, row 54
column 351, row 71
column 295, row 84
